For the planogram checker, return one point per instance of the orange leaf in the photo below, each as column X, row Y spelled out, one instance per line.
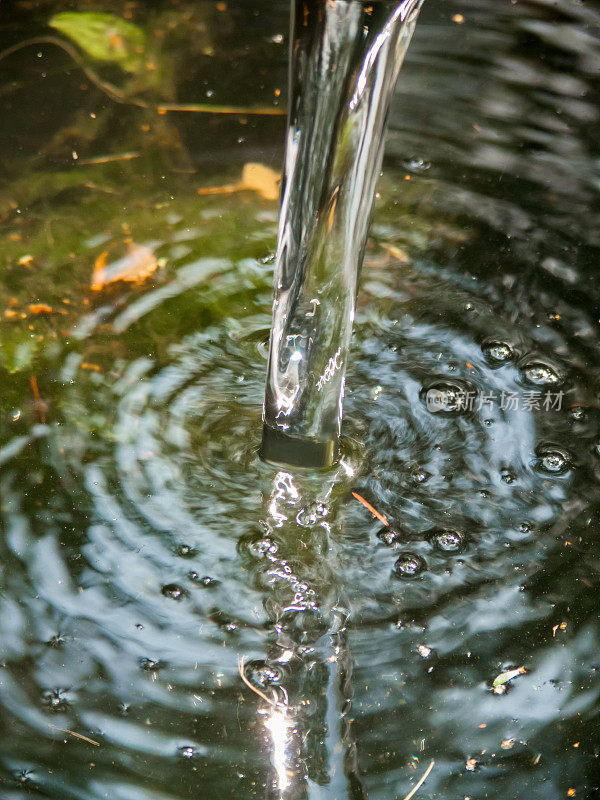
column 136, row 265
column 39, row 308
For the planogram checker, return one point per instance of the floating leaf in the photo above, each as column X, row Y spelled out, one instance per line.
column 104, row 37
column 507, row 676
column 137, row 265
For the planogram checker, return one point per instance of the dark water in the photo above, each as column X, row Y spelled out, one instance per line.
column 146, row 551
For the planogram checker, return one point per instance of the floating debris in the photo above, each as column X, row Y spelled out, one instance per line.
column 506, row 677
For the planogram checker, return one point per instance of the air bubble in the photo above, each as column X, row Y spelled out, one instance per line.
column 508, row 475
column 312, row 514
column 187, row 751
column 150, row 664
column 449, row 397
column 416, row 165
column 447, row 540
column 497, row 352
column 537, row 372
column 420, row 475
column 259, row 547
column 263, row 675
column 525, row 527
column 185, row 551
column 173, row 591
column 390, row 536
column 203, row 580
column 56, row 700
column 553, row 460
column 409, row 565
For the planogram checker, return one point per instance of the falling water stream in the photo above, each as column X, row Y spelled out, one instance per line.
column 345, row 58
column 180, row 619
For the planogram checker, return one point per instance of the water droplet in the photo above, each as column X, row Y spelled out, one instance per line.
column 185, row 551
column 578, row 414
column 449, row 396
column 173, row 591
column 508, row 475
column 553, row 460
column 497, row 352
column 447, row 540
column 187, row 751
column 262, row 674
column 538, row 372
column 409, row 565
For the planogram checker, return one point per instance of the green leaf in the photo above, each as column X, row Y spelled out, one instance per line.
column 507, row 676
column 104, row 37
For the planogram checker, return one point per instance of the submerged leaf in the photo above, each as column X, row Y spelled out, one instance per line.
column 255, row 178
column 104, row 37
column 137, row 265
column 261, row 179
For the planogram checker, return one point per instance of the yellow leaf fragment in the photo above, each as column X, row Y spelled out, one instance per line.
column 261, row 179
column 135, row 267
column 255, row 178
column 396, row 252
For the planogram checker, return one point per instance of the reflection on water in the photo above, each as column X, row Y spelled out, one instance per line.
column 147, row 555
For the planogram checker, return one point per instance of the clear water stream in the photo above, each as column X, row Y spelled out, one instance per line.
column 345, row 58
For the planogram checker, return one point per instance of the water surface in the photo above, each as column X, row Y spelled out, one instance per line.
column 146, row 551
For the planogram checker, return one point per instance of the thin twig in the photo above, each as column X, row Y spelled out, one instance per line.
column 206, row 108
column 250, row 686
column 373, row 511
column 77, row 735
column 417, row 786
column 114, row 93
